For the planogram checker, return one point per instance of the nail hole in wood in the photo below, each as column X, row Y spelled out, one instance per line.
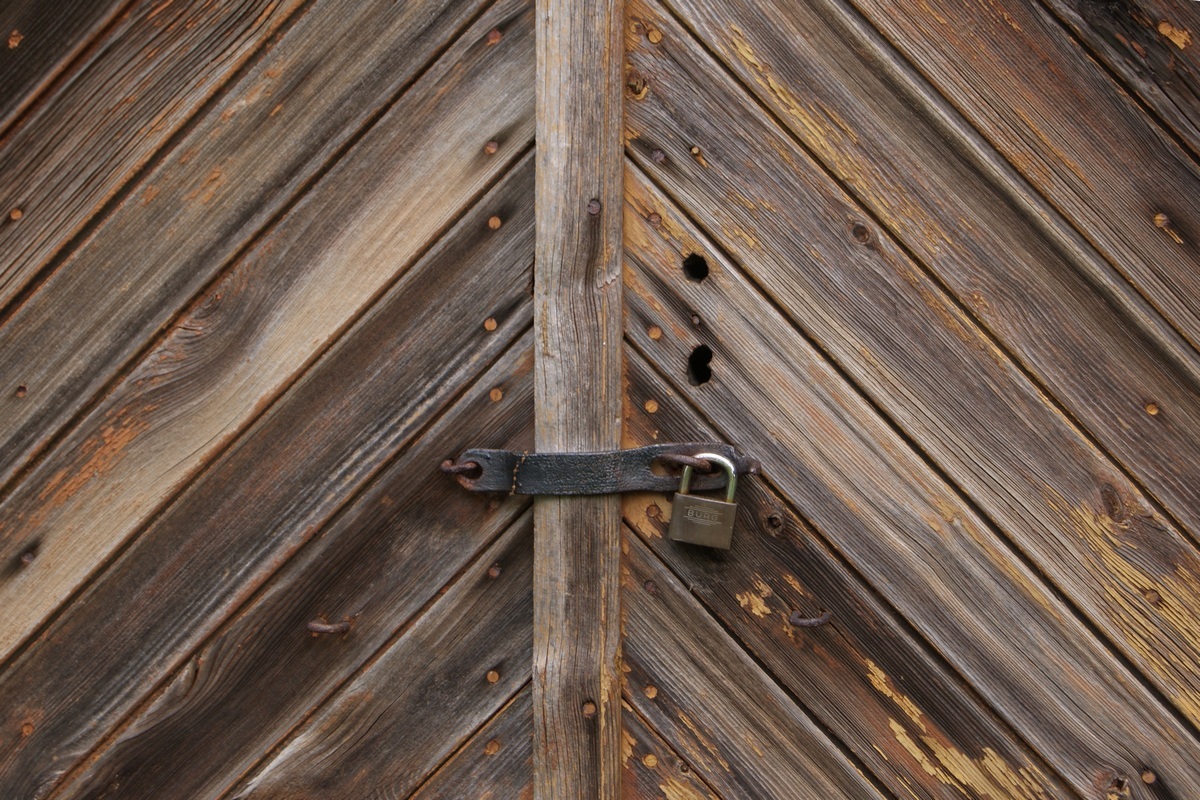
column 699, row 372
column 695, row 266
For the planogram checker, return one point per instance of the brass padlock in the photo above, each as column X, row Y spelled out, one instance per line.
column 701, row 520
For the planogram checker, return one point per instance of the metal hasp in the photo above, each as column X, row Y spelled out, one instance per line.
column 702, row 520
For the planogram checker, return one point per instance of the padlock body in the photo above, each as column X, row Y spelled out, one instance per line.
column 702, row 521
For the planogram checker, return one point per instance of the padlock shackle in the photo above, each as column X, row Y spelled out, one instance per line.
column 730, row 469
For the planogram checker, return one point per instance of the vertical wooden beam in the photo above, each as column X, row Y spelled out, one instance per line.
column 577, row 291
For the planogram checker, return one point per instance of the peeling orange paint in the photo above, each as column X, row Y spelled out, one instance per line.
column 1180, row 37
column 986, row 777
column 101, row 452
column 883, row 684
column 674, row 790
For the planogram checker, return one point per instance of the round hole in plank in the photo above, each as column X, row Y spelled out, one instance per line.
column 699, row 370
column 695, row 266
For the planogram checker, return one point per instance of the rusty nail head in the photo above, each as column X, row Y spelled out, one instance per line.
column 494, row 36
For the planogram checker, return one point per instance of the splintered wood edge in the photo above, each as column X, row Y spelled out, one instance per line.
column 577, row 322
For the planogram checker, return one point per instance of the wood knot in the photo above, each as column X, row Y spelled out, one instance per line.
column 636, row 85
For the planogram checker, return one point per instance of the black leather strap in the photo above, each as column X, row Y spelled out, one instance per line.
column 590, row 473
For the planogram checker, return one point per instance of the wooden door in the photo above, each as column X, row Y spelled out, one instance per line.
column 267, row 263
column 934, row 264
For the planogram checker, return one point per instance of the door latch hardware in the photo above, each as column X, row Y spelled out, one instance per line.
column 702, row 520
column 607, row 472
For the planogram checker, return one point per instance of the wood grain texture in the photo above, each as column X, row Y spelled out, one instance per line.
column 149, row 76
column 736, row 728
column 921, row 182
column 879, row 504
column 386, row 556
column 577, row 319
column 1152, row 45
column 653, row 770
column 235, row 171
column 40, row 41
column 496, row 764
column 924, row 362
column 864, row 677
column 437, row 683
column 279, row 485
column 248, row 337
column 1036, row 94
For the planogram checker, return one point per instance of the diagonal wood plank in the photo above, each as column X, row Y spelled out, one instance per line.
column 1035, row 93
column 652, row 769
column 1152, row 46
column 233, row 173
column 894, row 520
column 157, row 68
column 922, row 185
column 496, row 764
column 924, row 362
column 715, row 707
column 277, row 486
column 885, row 696
column 40, row 41
column 443, row 679
column 250, row 334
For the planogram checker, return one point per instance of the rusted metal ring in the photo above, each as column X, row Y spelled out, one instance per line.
column 451, row 467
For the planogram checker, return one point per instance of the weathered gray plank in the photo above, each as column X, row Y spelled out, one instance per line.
column 233, row 172
column 652, row 769
column 149, row 76
column 912, row 537
column 889, row 699
column 917, row 181
column 208, row 553
column 720, row 711
column 497, row 764
column 437, row 683
column 577, row 319
column 1152, row 45
column 40, row 40
column 248, row 336
column 917, row 355
column 1072, row 132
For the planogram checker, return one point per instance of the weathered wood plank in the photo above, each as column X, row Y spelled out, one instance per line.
column 652, row 769
column 278, row 485
column 577, row 318
column 1152, row 45
column 722, row 713
column 497, row 764
column 385, row 557
column 1036, row 95
column 888, row 698
column 918, row 181
column 147, row 79
column 235, row 171
column 923, row 361
column 40, row 41
column 441, row 680
column 911, row 536
column 248, row 337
